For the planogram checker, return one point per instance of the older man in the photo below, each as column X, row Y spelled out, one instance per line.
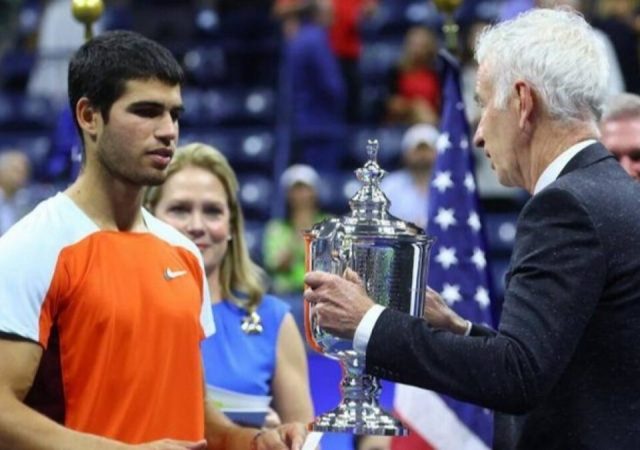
column 562, row 370
column 620, row 128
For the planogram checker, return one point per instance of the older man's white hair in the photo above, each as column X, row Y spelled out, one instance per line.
column 557, row 52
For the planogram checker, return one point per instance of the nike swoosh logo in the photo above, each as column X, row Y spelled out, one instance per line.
column 171, row 274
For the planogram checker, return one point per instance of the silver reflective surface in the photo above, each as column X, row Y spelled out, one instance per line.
column 391, row 258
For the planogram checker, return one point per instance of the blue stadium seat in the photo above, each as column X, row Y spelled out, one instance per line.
column 256, row 196
column 205, row 66
column 336, row 190
column 377, row 59
column 255, row 150
column 22, row 112
column 500, row 229
column 229, row 106
column 221, row 140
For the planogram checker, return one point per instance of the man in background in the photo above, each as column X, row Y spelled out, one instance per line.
column 620, row 128
column 408, row 188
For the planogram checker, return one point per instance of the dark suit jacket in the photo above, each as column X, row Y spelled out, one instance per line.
column 563, row 369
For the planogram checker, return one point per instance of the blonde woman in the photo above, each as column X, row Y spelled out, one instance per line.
column 257, row 348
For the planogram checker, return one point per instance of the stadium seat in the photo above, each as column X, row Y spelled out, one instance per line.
column 336, row 190
column 224, row 141
column 255, row 150
column 256, row 196
column 205, row 66
column 377, row 59
column 500, row 230
column 22, row 113
column 228, row 106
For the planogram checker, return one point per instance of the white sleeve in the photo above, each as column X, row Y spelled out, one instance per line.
column 365, row 328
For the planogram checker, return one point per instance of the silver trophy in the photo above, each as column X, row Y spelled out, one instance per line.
column 391, row 257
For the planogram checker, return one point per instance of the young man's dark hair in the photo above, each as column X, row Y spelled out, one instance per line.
column 100, row 68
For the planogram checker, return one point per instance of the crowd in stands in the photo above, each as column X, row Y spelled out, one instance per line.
column 276, row 83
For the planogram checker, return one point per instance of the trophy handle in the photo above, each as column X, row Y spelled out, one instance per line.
column 335, row 257
column 308, row 331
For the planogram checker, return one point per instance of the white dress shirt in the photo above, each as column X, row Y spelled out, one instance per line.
column 548, row 176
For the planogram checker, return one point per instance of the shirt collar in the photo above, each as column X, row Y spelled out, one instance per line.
column 550, row 174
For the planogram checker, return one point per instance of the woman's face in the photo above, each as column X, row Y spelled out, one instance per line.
column 195, row 202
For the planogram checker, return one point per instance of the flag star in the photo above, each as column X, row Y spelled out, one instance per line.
column 442, row 181
column 460, row 106
column 445, row 218
column 443, row 143
column 469, row 182
column 478, row 259
column 464, row 143
column 447, row 257
column 482, row 297
column 474, row 221
column 451, row 293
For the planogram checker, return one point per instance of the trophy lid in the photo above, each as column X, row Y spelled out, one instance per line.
column 370, row 208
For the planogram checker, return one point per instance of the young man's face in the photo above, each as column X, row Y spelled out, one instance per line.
column 139, row 139
column 622, row 138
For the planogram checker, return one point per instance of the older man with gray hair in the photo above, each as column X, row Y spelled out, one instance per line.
column 562, row 371
column 620, row 128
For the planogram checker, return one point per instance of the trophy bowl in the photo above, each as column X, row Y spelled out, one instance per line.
column 391, row 258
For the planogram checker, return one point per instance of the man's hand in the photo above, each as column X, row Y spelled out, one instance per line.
column 172, row 444
column 439, row 315
column 337, row 303
column 289, row 436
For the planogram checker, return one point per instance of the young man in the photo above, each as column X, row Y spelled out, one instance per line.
column 103, row 307
column 620, row 128
column 563, row 366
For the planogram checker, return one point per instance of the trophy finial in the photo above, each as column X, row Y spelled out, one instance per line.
column 372, row 149
column 370, row 201
column 87, row 12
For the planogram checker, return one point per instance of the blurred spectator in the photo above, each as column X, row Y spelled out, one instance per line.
column 413, row 82
column 365, row 442
column 15, row 171
column 408, row 188
column 347, row 45
column 620, row 128
column 619, row 20
column 313, row 85
column 283, row 243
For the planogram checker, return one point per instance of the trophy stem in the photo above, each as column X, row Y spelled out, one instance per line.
column 359, row 411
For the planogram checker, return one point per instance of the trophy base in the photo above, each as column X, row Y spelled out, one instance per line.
column 345, row 419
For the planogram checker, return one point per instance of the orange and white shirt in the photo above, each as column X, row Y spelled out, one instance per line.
column 120, row 316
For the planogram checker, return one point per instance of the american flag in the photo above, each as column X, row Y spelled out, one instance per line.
column 458, row 271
